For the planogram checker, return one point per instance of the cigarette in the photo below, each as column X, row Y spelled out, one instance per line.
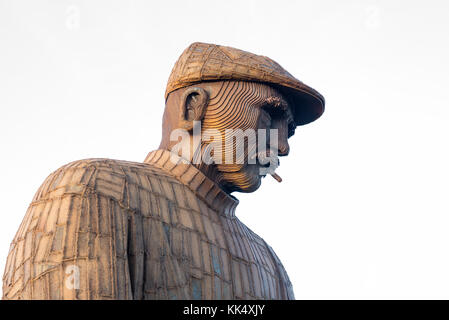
column 276, row 177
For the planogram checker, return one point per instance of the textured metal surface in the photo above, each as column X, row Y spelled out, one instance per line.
column 154, row 230
column 209, row 62
column 164, row 229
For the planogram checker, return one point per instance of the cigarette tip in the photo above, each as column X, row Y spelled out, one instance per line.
column 276, row 177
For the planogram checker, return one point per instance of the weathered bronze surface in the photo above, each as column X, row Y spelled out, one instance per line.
column 166, row 228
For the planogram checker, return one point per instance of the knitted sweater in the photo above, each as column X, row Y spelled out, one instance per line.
column 109, row 229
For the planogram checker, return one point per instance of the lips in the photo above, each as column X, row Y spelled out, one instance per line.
column 268, row 164
column 266, row 161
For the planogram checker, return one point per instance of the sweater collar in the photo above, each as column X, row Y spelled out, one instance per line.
column 197, row 181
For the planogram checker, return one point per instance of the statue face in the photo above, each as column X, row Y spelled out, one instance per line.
column 248, row 106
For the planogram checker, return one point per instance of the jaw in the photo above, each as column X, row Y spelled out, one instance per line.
column 246, row 180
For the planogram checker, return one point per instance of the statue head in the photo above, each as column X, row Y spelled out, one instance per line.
column 230, row 113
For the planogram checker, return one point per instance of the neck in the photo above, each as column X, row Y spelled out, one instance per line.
column 211, row 171
column 196, row 159
column 190, row 175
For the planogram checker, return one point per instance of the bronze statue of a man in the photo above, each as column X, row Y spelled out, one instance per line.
column 166, row 228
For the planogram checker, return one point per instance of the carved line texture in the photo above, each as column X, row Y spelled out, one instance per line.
column 138, row 231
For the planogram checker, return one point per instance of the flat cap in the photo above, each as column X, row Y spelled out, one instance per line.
column 209, row 62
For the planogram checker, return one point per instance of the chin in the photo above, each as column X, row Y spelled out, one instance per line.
column 251, row 188
column 244, row 181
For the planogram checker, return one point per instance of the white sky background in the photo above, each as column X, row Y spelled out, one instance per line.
column 362, row 211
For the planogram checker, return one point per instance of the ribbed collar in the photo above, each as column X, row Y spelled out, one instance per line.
column 193, row 178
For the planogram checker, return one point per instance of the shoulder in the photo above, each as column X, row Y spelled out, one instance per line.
column 108, row 177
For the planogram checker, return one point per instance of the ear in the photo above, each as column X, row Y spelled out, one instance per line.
column 193, row 104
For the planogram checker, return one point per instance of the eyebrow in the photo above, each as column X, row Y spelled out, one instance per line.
column 278, row 102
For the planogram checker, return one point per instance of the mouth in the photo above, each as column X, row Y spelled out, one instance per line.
column 267, row 164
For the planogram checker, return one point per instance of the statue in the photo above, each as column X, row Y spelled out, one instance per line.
column 166, row 228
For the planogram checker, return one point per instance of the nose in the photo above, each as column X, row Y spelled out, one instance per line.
column 283, row 146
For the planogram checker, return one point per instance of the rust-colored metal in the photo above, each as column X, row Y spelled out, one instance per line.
column 149, row 230
column 165, row 228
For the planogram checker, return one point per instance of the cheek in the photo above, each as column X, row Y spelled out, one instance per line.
column 235, row 117
column 248, row 118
